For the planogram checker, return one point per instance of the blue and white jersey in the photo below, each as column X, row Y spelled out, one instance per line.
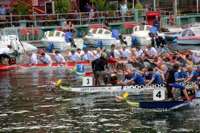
column 157, row 78
column 74, row 57
column 126, row 53
column 34, row 59
column 46, row 59
column 59, row 58
column 138, row 78
column 139, row 53
column 194, row 74
column 88, row 56
column 117, row 53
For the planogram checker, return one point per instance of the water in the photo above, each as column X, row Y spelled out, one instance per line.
column 27, row 108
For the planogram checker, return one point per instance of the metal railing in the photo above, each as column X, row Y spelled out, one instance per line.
column 78, row 18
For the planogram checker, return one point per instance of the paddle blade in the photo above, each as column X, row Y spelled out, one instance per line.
column 133, row 104
column 125, row 95
column 58, row 83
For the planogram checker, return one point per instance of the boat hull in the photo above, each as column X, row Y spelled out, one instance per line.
column 61, row 45
column 164, row 105
column 104, row 42
column 109, row 89
column 188, row 42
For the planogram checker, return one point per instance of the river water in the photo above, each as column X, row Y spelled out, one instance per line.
column 27, row 107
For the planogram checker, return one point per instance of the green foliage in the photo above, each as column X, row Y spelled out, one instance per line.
column 112, row 7
column 138, row 5
column 20, row 8
column 101, row 5
column 62, row 6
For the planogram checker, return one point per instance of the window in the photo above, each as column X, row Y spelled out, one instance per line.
column 184, row 33
column 190, row 33
column 107, row 32
column 100, row 31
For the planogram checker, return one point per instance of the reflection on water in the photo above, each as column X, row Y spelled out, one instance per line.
column 24, row 107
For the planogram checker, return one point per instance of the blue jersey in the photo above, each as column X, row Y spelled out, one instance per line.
column 138, row 78
column 194, row 75
column 157, row 78
column 180, row 75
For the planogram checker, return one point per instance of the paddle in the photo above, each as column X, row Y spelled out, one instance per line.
column 124, row 97
column 22, row 46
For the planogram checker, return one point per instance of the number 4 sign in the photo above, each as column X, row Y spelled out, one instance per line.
column 158, row 94
column 87, row 81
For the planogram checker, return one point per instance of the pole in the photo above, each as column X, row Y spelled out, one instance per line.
column 133, row 6
column 175, row 8
column 154, row 5
column 197, row 6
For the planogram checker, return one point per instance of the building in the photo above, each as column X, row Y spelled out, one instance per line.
column 41, row 6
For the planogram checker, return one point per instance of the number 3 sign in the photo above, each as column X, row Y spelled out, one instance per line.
column 158, row 94
column 87, row 81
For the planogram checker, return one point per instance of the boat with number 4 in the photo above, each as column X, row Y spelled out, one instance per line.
column 159, row 102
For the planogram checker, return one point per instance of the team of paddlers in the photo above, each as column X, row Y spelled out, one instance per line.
column 131, row 66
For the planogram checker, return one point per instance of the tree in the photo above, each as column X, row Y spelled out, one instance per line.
column 62, row 6
column 138, row 5
column 20, row 8
column 101, row 5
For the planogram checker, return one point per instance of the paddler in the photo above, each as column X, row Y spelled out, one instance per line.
column 33, row 59
column 157, row 77
column 4, row 55
column 99, row 67
column 74, row 57
column 59, row 58
column 137, row 78
column 193, row 74
column 45, row 58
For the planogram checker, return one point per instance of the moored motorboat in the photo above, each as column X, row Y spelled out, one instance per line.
column 190, row 36
column 104, row 37
column 17, row 45
column 141, row 33
column 57, row 40
column 172, row 33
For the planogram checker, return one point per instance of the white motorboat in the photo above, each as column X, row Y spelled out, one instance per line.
column 57, row 38
column 172, row 33
column 104, row 37
column 100, row 36
column 17, row 45
column 190, row 36
column 141, row 33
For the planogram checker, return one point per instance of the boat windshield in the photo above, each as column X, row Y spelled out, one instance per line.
column 57, row 33
column 50, row 34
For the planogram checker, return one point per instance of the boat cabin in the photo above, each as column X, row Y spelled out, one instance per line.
column 100, row 31
column 54, row 34
column 191, row 32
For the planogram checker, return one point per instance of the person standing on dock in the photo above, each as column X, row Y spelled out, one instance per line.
column 99, row 67
column 69, row 30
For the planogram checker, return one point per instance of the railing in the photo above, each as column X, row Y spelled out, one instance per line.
column 79, row 18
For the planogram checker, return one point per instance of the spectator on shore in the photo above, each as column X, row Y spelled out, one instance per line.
column 2, row 10
column 69, row 26
column 123, row 9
